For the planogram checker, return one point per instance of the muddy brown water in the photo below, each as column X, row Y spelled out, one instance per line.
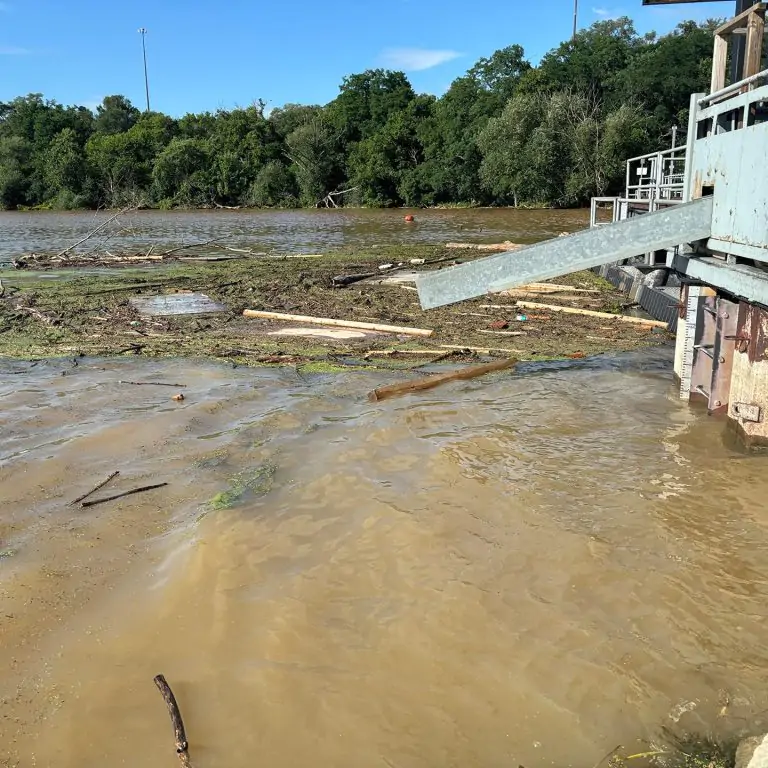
column 524, row 569
column 304, row 231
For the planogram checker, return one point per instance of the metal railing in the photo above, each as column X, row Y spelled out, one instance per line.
column 656, row 177
column 747, row 84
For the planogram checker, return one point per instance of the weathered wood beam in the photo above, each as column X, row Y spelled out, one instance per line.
column 740, row 21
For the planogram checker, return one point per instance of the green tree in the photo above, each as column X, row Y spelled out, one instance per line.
column 115, row 114
column 312, row 150
column 382, row 165
column 15, row 152
column 592, row 61
column 181, row 173
column 664, row 74
column 64, row 169
column 366, row 102
column 274, row 187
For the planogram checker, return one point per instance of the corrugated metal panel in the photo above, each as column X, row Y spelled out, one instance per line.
column 660, row 303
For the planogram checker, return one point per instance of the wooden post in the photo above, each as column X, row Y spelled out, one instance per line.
column 719, row 57
column 754, row 53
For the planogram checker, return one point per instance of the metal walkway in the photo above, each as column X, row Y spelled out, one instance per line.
column 683, row 223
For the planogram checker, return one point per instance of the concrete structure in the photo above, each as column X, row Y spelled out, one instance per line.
column 694, row 223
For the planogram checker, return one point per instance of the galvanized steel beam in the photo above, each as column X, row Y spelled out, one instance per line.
column 684, row 223
column 739, row 280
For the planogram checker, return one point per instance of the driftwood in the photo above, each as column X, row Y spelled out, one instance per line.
column 429, row 382
column 329, row 201
column 120, row 495
column 483, row 350
column 98, row 229
column 341, row 280
column 192, row 245
column 179, row 734
column 395, row 352
column 151, row 384
column 506, row 333
column 592, row 313
column 405, row 330
column 94, row 489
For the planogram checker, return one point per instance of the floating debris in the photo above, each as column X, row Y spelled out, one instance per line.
column 176, row 304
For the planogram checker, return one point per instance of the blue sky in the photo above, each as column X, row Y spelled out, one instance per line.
column 207, row 55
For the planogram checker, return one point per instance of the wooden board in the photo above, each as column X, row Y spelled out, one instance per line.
column 176, row 304
column 593, row 313
column 404, row 330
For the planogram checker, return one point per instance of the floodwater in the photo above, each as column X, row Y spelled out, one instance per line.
column 303, row 231
column 525, row 569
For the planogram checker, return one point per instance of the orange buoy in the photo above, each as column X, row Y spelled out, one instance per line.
column 409, row 218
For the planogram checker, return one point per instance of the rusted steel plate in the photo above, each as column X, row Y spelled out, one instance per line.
column 176, row 304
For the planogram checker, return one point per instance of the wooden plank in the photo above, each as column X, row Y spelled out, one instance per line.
column 719, row 64
column 429, row 382
column 753, row 54
column 740, row 21
column 176, row 304
column 592, row 313
column 405, row 330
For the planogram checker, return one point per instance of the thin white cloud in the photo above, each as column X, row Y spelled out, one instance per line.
column 608, row 13
column 416, row 59
column 92, row 104
column 10, row 50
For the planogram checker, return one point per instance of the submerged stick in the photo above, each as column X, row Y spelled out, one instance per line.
column 179, row 734
column 151, row 383
column 433, row 381
column 120, row 495
column 93, row 490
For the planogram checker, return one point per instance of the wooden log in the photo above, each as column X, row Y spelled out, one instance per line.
column 506, row 333
column 179, row 734
column 429, row 382
column 592, row 313
column 405, row 330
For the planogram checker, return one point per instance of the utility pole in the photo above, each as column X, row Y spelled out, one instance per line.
column 143, row 33
column 575, row 16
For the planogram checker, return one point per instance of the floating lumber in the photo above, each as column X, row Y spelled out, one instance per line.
column 592, row 313
column 505, row 246
column 405, row 330
column 551, row 288
column 430, row 382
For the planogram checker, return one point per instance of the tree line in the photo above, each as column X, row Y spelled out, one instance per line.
column 505, row 133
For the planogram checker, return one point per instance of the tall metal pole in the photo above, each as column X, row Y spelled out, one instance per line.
column 575, row 16
column 143, row 33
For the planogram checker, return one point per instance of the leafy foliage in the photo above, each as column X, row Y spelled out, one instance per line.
column 503, row 133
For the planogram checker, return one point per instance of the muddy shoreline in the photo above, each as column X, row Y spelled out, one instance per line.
column 78, row 313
